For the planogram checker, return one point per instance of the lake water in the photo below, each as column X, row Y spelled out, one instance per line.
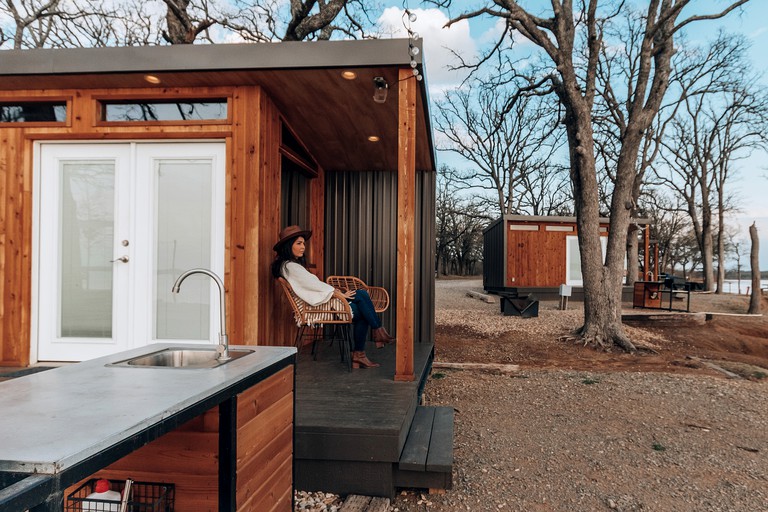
column 732, row 285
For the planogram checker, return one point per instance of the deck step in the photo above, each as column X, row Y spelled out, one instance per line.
column 358, row 503
column 427, row 457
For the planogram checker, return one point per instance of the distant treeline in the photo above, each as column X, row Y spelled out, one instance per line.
column 731, row 274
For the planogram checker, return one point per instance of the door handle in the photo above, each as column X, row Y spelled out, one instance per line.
column 124, row 259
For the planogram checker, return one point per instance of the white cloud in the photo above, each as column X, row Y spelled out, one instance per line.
column 439, row 43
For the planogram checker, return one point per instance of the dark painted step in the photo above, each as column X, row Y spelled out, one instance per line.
column 427, row 457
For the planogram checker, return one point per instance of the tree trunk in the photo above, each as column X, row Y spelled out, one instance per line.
column 602, row 282
column 754, row 263
column 707, row 257
column 633, row 256
column 720, row 244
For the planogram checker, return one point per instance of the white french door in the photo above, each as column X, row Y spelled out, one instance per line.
column 116, row 223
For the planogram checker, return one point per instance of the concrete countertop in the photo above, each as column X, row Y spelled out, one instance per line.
column 52, row 420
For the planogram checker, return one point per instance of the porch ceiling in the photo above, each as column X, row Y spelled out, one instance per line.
column 332, row 116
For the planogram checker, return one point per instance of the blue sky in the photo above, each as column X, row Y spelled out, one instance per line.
column 751, row 184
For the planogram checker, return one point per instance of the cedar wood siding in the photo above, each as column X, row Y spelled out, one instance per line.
column 257, row 314
column 188, row 455
column 537, row 258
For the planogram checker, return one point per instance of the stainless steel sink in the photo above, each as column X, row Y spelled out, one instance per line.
column 182, row 358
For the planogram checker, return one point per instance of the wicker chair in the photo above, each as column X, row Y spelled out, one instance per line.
column 379, row 295
column 335, row 312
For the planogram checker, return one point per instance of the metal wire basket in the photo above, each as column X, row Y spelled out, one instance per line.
column 144, row 497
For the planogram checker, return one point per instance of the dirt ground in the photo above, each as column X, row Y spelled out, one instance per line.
column 737, row 343
column 576, row 429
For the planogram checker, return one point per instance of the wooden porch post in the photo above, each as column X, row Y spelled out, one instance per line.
column 406, row 223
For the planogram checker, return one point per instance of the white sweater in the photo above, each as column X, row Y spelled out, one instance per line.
column 306, row 284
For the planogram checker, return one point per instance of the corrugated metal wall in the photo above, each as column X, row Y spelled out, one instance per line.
column 361, row 237
column 494, row 256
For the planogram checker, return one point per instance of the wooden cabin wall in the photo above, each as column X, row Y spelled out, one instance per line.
column 260, row 313
column 188, row 456
column 537, row 258
column 15, row 247
column 257, row 314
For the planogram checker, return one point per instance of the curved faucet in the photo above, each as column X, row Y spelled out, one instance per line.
column 223, row 349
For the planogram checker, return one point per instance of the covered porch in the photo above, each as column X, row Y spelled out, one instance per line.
column 362, row 433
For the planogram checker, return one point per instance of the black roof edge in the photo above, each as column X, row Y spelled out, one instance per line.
column 208, row 57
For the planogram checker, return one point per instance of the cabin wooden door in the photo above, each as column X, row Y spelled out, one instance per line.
column 115, row 224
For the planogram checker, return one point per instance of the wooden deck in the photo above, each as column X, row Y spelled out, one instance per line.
column 351, row 427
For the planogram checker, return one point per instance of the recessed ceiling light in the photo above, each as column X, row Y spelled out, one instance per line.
column 152, row 79
column 348, row 75
column 374, row 138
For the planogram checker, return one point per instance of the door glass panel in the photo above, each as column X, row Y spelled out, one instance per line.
column 574, row 260
column 183, row 241
column 86, row 231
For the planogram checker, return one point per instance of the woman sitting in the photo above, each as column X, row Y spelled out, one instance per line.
column 291, row 265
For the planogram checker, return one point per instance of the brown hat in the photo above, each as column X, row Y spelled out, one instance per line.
column 291, row 232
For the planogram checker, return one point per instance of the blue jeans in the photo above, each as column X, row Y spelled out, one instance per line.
column 364, row 316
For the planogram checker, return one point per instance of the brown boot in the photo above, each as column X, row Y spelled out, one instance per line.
column 359, row 360
column 382, row 337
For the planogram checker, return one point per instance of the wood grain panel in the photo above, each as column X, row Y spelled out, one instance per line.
column 271, row 493
column 406, row 224
column 259, row 431
column 257, row 399
column 188, row 453
column 194, row 493
column 15, row 249
column 266, row 225
column 284, row 503
column 537, row 258
column 242, row 170
column 252, row 473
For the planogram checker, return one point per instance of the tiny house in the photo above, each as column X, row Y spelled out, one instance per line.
column 122, row 167
column 536, row 253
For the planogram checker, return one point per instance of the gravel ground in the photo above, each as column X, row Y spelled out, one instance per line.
column 566, row 440
column 588, row 436
column 562, row 440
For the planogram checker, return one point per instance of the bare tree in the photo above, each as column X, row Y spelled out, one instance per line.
column 459, row 227
column 754, row 263
column 268, row 20
column 59, row 23
column 738, row 245
column 706, row 138
column 32, row 21
column 573, row 80
column 694, row 72
column 510, row 138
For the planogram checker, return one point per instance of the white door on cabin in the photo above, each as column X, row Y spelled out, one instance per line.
column 573, row 274
column 116, row 223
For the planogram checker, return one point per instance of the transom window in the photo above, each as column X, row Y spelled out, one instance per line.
column 212, row 109
column 33, row 112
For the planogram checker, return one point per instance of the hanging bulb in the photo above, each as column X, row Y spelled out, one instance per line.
column 413, row 50
column 414, row 36
column 413, row 63
column 411, row 16
column 418, row 77
column 415, row 72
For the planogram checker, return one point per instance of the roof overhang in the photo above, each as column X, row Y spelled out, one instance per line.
column 333, row 117
column 557, row 219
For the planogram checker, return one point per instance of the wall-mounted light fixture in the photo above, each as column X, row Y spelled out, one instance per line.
column 380, row 87
column 373, row 138
column 348, row 75
column 152, row 79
